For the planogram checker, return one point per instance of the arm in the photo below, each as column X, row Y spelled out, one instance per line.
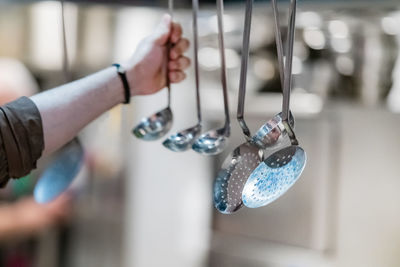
column 67, row 109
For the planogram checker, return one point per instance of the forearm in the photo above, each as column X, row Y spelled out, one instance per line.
column 65, row 110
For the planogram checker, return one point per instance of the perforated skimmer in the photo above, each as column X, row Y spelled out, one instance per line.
column 275, row 175
column 245, row 158
column 157, row 125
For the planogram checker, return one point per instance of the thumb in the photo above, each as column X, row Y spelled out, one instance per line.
column 162, row 32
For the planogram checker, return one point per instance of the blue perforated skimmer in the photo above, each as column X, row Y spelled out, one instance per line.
column 274, row 177
column 276, row 174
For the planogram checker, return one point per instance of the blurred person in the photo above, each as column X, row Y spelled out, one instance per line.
column 43, row 123
column 25, row 217
column 15, row 81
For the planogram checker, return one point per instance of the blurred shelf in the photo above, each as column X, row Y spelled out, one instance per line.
column 261, row 104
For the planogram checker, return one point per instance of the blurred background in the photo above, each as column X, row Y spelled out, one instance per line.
column 139, row 205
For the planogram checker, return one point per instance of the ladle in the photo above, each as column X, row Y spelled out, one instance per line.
column 275, row 175
column 62, row 171
column 272, row 133
column 214, row 141
column 183, row 140
column 158, row 124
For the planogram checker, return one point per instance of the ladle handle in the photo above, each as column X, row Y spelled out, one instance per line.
column 220, row 14
column 65, row 68
column 243, row 69
column 169, row 45
column 289, row 61
column 195, row 6
column 278, row 40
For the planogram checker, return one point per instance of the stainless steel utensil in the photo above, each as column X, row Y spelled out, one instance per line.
column 183, row 140
column 272, row 133
column 63, row 170
column 158, row 124
column 245, row 158
column 275, row 175
column 214, row 141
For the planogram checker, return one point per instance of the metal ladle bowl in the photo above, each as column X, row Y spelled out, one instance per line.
column 272, row 134
column 212, row 142
column 155, row 126
column 183, row 140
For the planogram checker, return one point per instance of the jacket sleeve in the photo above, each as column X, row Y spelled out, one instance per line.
column 21, row 139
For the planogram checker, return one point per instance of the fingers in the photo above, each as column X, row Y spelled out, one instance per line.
column 176, row 32
column 178, row 62
column 176, row 76
column 167, row 30
column 179, row 48
column 181, row 63
column 170, row 31
column 162, row 32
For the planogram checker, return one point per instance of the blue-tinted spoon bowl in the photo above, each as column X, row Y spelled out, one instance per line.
column 183, row 140
column 57, row 178
column 212, row 142
column 274, row 176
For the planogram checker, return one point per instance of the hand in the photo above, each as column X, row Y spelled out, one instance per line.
column 147, row 68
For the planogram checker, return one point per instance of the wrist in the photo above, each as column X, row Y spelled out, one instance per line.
column 124, row 80
column 131, row 74
column 114, row 86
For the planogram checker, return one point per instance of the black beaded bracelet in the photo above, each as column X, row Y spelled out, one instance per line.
column 122, row 75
